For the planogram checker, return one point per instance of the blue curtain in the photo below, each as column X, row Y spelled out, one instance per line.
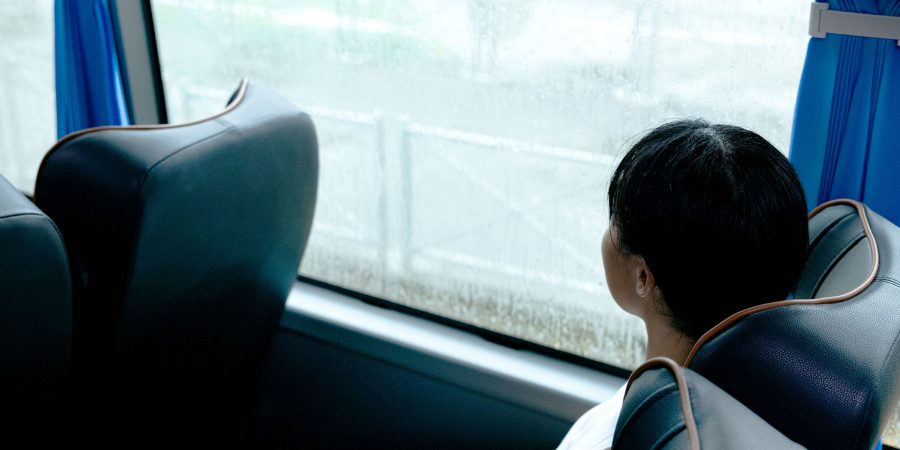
column 846, row 137
column 89, row 89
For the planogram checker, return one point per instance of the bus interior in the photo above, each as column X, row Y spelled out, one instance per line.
column 377, row 224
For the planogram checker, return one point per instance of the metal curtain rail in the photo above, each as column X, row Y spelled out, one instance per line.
column 823, row 21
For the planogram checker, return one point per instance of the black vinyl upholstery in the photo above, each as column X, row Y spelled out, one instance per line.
column 824, row 372
column 35, row 321
column 839, row 255
column 186, row 240
column 658, row 413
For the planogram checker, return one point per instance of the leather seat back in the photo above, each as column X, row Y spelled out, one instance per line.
column 839, row 255
column 35, row 320
column 824, row 370
column 669, row 407
column 186, row 240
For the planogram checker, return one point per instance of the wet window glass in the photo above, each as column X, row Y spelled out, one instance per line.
column 27, row 89
column 466, row 145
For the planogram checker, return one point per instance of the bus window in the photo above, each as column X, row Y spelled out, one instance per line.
column 466, row 144
column 27, row 98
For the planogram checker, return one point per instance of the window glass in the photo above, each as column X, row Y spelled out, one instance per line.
column 27, row 95
column 466, row 145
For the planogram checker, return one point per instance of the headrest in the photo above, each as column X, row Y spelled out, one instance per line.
column 35, row 320
column 668, row 407
column 839, row 255
column 823, row 370
column 186, row 241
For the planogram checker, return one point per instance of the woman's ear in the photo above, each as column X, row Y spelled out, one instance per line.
column 645, row 284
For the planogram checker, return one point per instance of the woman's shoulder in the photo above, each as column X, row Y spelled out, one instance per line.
column 595, row 428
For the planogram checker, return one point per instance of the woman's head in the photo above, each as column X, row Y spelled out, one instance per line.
column 717, row 216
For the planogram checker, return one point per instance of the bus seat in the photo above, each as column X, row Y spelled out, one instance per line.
column 669, row 407
column 35, row 320
column 185, row 240
column 823, row 368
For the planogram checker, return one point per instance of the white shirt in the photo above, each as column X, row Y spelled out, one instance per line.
column 595, row 429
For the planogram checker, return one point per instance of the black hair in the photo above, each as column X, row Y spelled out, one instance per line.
column 717, row 213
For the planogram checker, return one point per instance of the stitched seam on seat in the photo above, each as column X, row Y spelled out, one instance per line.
column 296, row 114
column 12, row 216
column 651, row 398
column 828, row 229
column 648, row 402
column 50, row 221
column 888, row 280
column 836, row 260
column 814, row 287
column 670, row 434
column 208, row 138
column 38, row 214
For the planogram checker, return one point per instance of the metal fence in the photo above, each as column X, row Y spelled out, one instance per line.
column 378, row 223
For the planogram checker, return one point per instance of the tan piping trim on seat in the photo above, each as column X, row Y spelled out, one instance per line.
column 686, row 410
column 239, row 98
column 731, row 320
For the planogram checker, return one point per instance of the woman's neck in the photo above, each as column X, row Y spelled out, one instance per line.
column 664, row 340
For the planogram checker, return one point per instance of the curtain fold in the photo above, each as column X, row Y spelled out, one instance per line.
column 89, row 90
column 846, row 137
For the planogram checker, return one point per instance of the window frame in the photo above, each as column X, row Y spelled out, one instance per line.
column 505, row 340
column 140, row 66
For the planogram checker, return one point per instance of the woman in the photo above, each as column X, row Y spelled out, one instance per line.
column 705, row 220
